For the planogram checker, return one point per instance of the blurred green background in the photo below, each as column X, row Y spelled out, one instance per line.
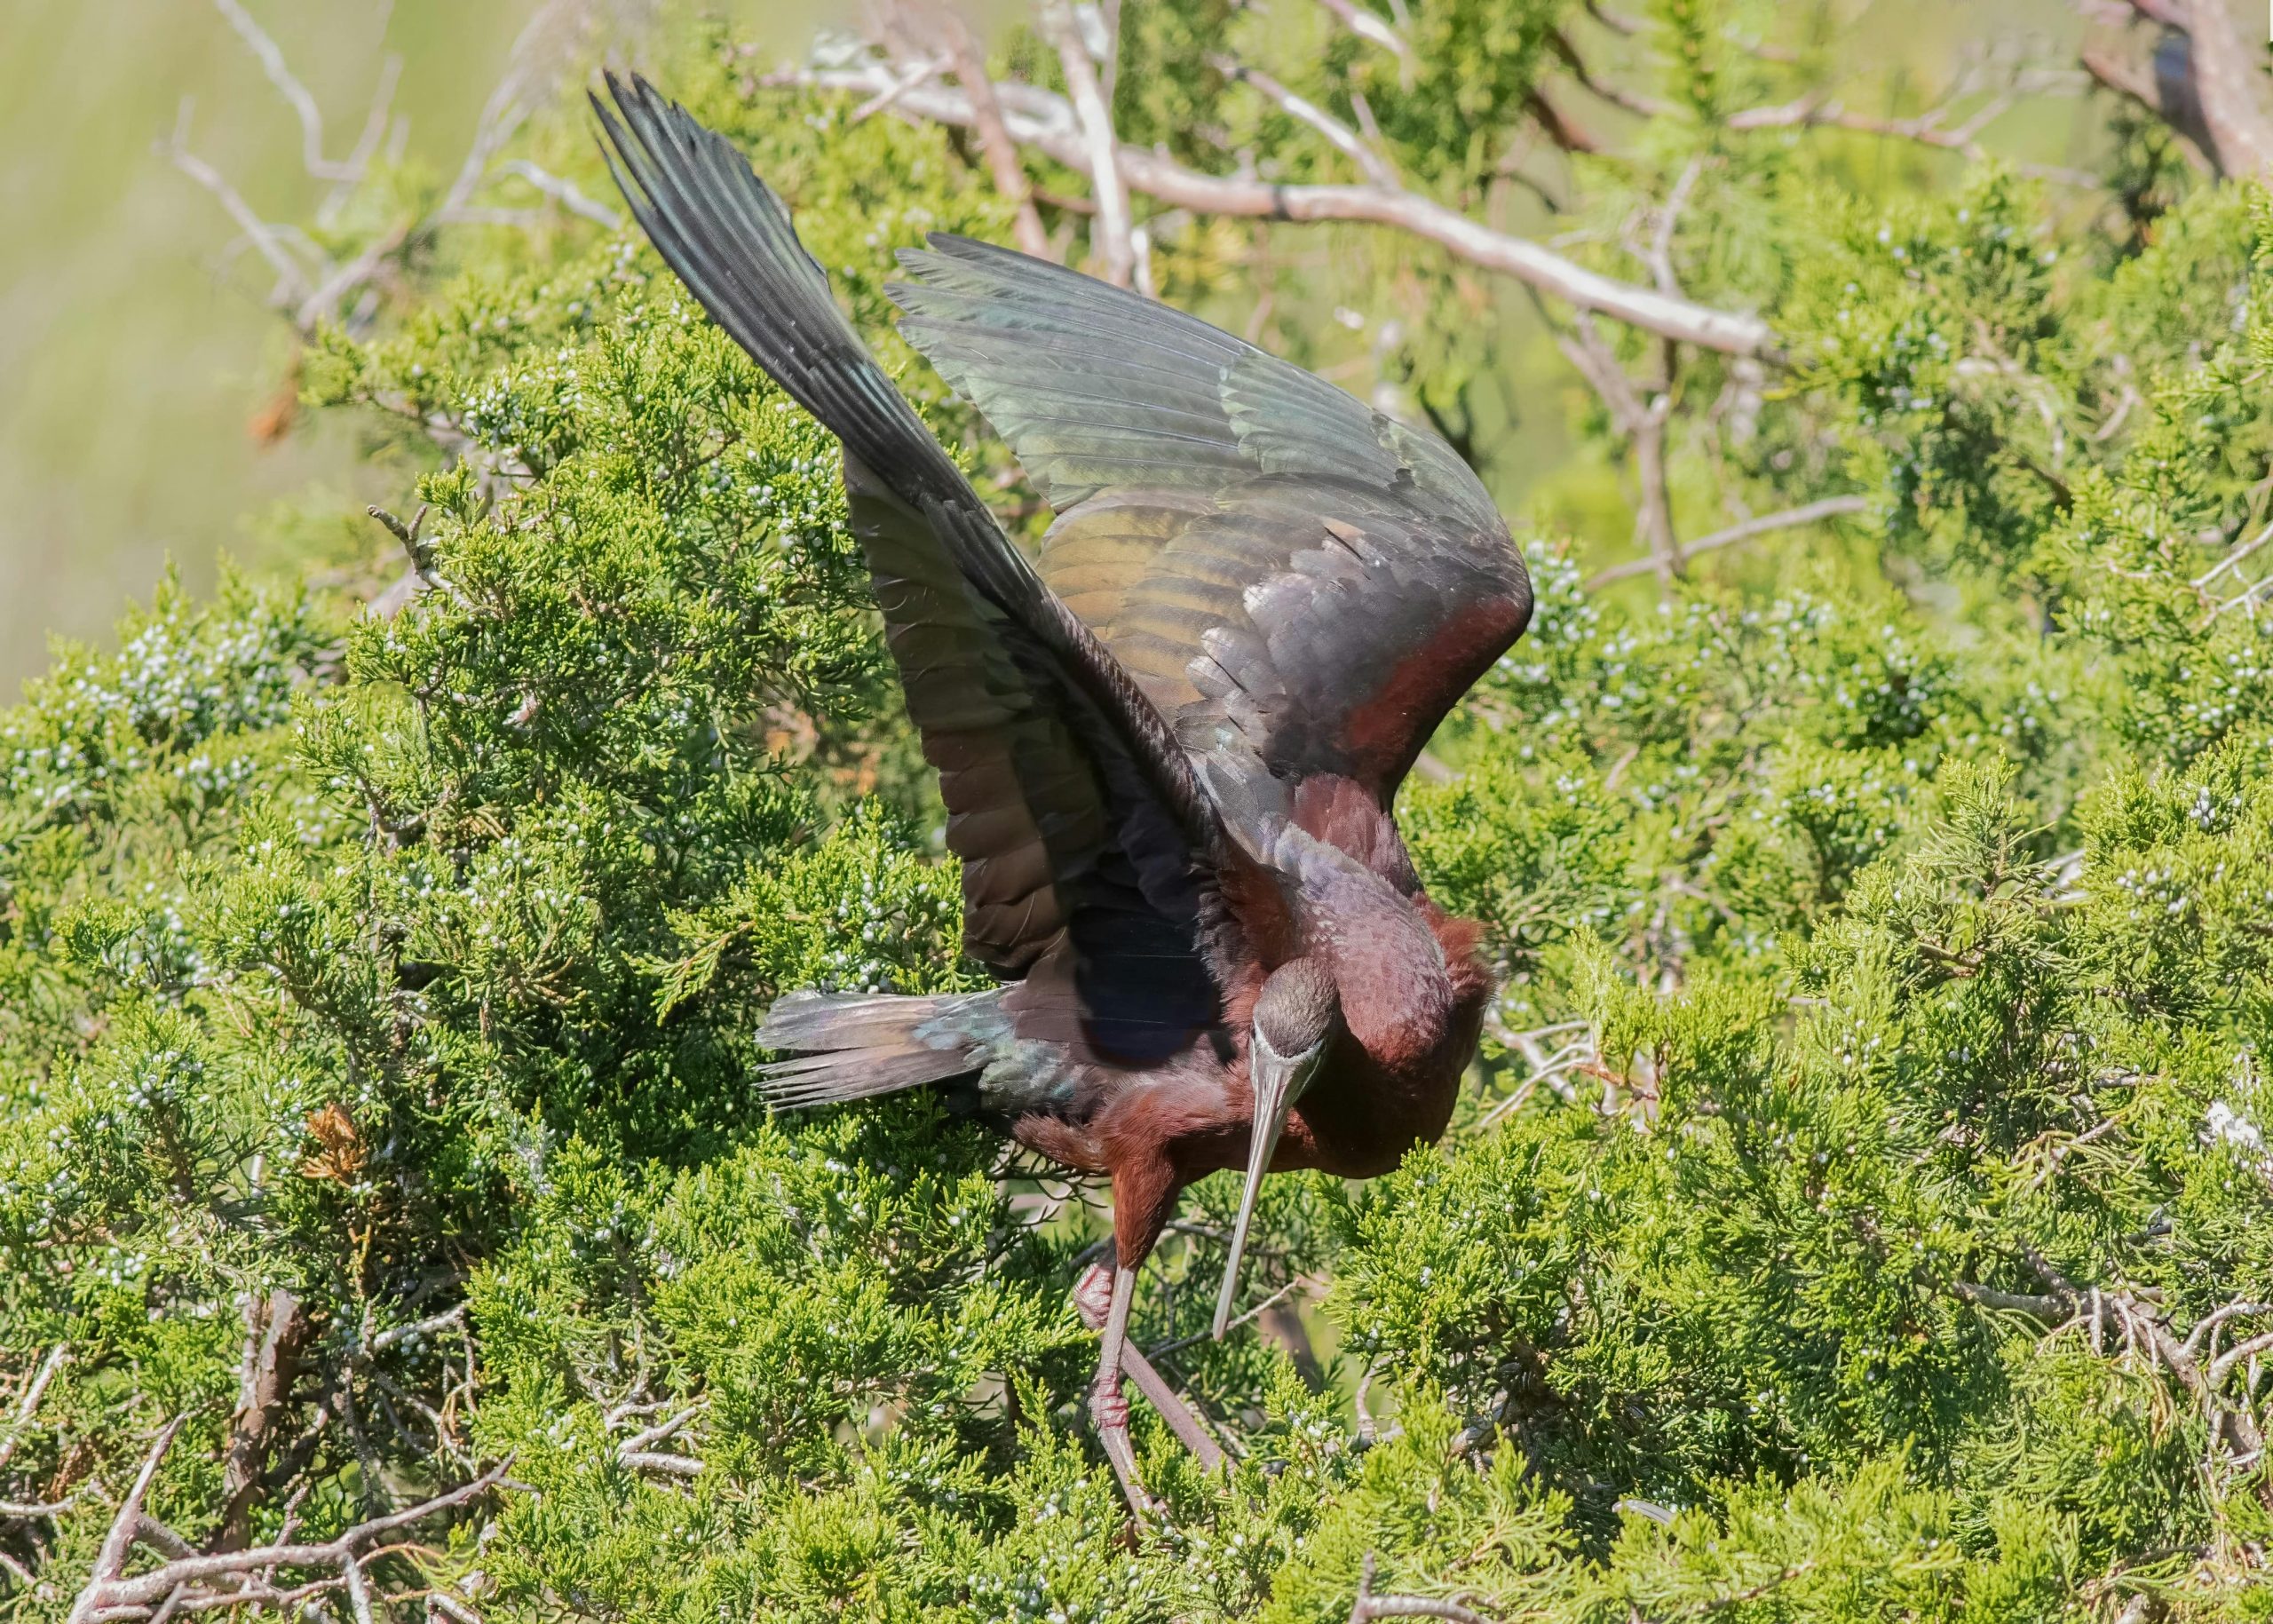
column 138, row 357
column 135, row 360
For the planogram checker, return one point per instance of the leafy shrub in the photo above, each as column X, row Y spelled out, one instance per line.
column 1862, row 1210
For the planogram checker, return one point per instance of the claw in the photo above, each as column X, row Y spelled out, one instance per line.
column 1108, row 1409
column 1093, row 1295
column 1103, row 1296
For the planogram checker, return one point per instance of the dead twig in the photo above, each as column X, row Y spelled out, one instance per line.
column 1375, row 167
column 564, row 193
column 417, row 1328
column 1373, row 29
column 116, row 1543
column 1045, row 122
column 107, row 1595
column 1926, row 128
column 1642, row 420
column 1808, row 514
column 27, row 1405
column 1368, row 1605
column 995, row 143
column 1109, row 232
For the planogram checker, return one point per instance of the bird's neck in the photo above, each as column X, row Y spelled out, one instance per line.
column 1397, row 988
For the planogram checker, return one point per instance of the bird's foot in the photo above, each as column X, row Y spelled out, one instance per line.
column 1093, row 1298
column 1109, row 1411
column 1093, row 1295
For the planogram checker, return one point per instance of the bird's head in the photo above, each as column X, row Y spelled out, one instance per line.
column 1295, row 1020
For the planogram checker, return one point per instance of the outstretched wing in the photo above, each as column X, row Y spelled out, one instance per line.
column 1079, row 867
column 1290, row 574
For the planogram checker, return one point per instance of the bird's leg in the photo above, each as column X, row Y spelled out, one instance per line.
column 1107, row 1407
column 1093, row 1295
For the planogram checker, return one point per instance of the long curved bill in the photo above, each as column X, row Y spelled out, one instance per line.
column 1278, row 1081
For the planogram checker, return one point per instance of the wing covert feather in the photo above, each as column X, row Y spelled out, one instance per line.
column 1290, row 576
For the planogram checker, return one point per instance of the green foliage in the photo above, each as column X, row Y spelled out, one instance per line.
column 1862, row 1208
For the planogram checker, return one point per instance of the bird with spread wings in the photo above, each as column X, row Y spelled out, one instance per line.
column 1168, row 742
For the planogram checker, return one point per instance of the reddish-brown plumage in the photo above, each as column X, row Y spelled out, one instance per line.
column 1379, row 734
column 1411, row 1020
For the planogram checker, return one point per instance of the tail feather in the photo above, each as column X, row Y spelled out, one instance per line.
column 858, row 1045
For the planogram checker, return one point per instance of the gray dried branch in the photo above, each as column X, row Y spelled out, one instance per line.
column 2230, row 85
column 567, row 194
column 918, row 74
column 1043, row 121
column 1927, row 129
column 313, row 287
column 1109, row 232
column 1808, row 513
column 296, row 95
column 2157, row 94
column 120, row 1540
column 448, row 1317
column 1369, row 1606
column 1375, row 167
column 1566, row 52
column 27, row 1405
column 1642, row 420
column 292, row 278
column 995, row 143
column 107, row 1595
column 2143, row 1326
column 1372, row 28
column 1617, row 22
column 1557, row 125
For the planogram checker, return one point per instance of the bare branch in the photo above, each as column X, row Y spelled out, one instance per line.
column 1369, row 1606
column 2229, row 86
column 375, row 122
column 2142, row 1324
column 1642, row 422
column 107, row 1591
column 1617, row 95
column 1371, row 28
column 1345, row 140
column 1041, row 120
column 2224, row 1365
column 2236, row 556
column 1559, row 126
column 291, row 277
column 1830, row 507
column 448, row 1317
column 121, row 1537
column 1301, row 1282
column 150, row 1532
column 274, row 1328
column 916, row 75
column 1660, row 257
column 1926, row 128
column 287, row 84
column 565, row 193
column 27, row 1405
column 2215, row 1318
column 2050, row 1309
column 2147, row 90
column 1617, row 22
column 994, row 140
column 1109, row 232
